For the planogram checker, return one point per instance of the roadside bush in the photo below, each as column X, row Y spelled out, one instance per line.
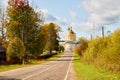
column 104, row 52
column 80, row 49
column 61, row 48
column 95, row 48
column 15, row 50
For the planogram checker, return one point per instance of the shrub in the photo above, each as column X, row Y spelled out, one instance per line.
column 15, row 50
column 104, row 52
column 80, row 49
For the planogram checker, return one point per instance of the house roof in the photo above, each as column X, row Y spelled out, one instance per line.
column 2, row 49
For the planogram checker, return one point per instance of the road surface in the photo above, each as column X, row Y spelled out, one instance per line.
column 53, row 70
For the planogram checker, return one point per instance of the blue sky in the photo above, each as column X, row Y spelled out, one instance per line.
column 68, row 11
column 85, row 16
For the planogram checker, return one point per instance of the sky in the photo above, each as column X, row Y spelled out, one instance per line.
column 86, row 17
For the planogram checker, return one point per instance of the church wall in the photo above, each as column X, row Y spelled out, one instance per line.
column 70, row 36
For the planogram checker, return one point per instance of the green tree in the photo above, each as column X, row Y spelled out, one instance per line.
column 23, row 22
column 15, row 50
column 43, row 38
column 61, row 48
column 51, row 35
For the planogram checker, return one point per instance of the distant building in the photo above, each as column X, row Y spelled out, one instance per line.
column 2, row 54
column 71, row 36
column 70, row 40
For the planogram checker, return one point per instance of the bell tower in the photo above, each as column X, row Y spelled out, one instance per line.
column 70, row 40
column 71, row 36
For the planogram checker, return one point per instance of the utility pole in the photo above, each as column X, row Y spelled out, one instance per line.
column 103, row 31
column 91, row 37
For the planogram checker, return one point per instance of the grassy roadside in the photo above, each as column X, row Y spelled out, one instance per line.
column 33, row 62
column 89, row 72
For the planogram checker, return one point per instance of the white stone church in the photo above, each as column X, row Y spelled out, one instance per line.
column 70, row 40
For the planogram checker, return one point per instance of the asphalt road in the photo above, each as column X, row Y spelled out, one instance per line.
column 53, row 70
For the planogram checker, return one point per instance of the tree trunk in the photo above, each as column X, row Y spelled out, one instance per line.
column 50, row 50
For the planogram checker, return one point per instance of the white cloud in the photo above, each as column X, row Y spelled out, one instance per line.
column 51, row 18
column 72, row 14
column 79, row 6
column 84, row 27
column 102, row 11
column 47, row 16
column 62, row 21
column 45, row 11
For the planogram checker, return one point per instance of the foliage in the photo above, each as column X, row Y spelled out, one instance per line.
column 15, row 50
column 80, row 49
column 23, row 22
column 50, row 32
column 90, row 72
column 43, row 39
column 61, row 48
column 5, row 44
column 104, row 52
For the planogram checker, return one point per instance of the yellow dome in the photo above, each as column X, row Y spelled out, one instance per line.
column 71, row 35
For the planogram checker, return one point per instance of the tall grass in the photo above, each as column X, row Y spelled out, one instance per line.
column 90, row 72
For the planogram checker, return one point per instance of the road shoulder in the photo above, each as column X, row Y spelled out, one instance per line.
column 72, row 74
